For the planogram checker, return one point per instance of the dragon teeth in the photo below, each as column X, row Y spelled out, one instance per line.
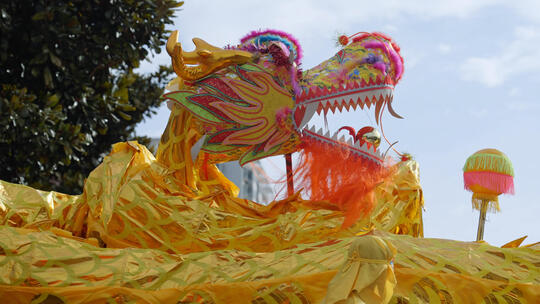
column 327, row 134
column 310, row 111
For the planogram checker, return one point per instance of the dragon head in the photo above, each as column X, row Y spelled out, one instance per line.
column 360, row 75
column 252, row 100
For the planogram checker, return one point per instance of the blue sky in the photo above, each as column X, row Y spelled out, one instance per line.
column 472, row 69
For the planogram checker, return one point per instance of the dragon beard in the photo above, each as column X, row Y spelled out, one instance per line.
column 336, row 175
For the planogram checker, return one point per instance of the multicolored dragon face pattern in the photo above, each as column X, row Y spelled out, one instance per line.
column 252, row 101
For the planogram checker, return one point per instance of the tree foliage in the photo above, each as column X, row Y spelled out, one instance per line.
column 68, row 89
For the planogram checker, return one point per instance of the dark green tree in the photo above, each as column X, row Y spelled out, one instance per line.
column 68, row 89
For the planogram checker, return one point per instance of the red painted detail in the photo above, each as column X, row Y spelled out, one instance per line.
column 220, row 137
column 299, row 113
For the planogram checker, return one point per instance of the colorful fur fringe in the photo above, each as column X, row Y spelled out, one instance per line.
column 274, row 35
column 340, row 177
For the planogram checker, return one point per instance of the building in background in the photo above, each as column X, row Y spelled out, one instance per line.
column 251, row 180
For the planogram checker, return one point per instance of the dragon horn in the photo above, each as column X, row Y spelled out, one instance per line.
column 174, row 48
column 172, row 42
column 208, row 58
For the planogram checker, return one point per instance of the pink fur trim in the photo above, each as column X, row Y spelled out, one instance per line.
column 294, row 81
column 389, row 50
column 380, row 66
column 496, row 182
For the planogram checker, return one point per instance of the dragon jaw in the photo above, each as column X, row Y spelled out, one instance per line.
column 347, row 99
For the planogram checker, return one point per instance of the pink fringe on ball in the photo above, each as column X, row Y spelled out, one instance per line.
column 496, row 182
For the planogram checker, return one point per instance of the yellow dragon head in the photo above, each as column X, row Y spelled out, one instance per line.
column 252, row 100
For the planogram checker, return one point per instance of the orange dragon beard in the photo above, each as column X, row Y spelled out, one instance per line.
column 334, row 174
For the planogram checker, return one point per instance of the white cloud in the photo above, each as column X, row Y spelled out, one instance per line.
column 527, row 8
column 314, row 22
column 478, row 113
column 520, row 56
column 390, row 28
column 444, row 48
column 485, row 70
column 311, row 15
column 523, row 106
column 514, row 92
column 414, row 56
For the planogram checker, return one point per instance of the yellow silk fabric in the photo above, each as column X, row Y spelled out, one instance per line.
column 34, row 263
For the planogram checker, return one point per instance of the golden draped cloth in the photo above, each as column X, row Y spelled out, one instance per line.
column 149, row 230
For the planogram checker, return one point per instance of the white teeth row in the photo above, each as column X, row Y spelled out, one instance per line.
column 350, row 101
column 359, row 99
column 349, row 142
column 310, row 111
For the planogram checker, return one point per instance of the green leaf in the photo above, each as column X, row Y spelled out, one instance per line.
column 53, row 100
column 40, row 16
column 55, row 60
column 124, row 115
column 64, row 82
column 47, row 77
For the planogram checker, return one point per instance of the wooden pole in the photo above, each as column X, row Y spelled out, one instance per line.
column 482, row 220
column 290, row 182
